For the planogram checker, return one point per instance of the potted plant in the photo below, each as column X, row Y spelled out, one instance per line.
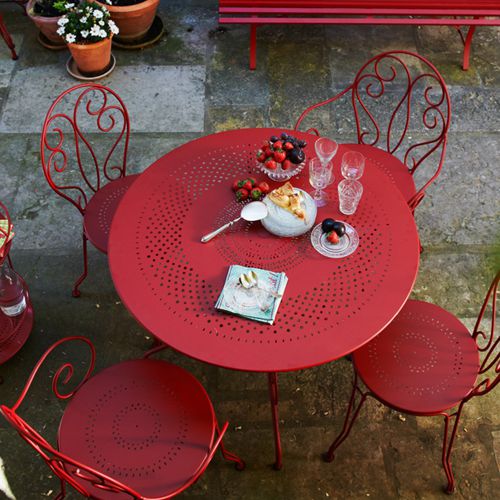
column 88, row 29
column 133, row 17
column 46, row 13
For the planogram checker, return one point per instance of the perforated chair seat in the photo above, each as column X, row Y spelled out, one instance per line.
column 101, row 209
column 424, row 362
column 146, row 423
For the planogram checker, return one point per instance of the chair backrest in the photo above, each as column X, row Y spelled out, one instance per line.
column 71, row 471
column 489, row 344
column 73, row 167
column 401, row 104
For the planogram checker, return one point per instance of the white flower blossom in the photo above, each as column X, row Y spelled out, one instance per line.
column 70, row 38
column 84, row 33
column 94, row 31
column 69, row 5
column 103, row 34
column 83, row 19
column 101, row 23
column 109, row 2
column 98, row 14
column 63, row 21
column 113, row 27
column 61, row 30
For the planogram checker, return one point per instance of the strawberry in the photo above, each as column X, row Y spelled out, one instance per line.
column 264, row 187
column 270, row 164
column 286, row 164
column 246, row 185
column 265, row 144
column 253, row 180
column 261, row 156
column 333, row 237
column 241, row 194
column 278, row 145
column 236, row 185
column 267, row 151
column 279, row 156
column 256, row 194
column 288, row 146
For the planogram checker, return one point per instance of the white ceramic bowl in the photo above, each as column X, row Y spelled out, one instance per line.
column 283, row 223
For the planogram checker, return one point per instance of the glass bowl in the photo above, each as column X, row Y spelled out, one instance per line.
column 279, row 174
column 346, row 245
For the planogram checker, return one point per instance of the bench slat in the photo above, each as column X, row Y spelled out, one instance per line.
column 360, row 20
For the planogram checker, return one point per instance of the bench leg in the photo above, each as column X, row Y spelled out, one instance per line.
column 467, row 45
column 8, row 40
column 253, row 46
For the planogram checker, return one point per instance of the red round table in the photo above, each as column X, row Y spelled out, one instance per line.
column 170, row 281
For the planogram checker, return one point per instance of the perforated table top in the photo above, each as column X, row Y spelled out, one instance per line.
column 170, row 281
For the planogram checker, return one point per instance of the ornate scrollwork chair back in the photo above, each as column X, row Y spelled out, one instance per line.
column 401, row 104
column 73, row 167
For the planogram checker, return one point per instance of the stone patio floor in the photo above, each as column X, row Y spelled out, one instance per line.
column 193, row 82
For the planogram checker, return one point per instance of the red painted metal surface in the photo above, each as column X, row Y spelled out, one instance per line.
column 170, row 281
column 140, row 429
column 75, row 169
column 456, row 13
column 415, row 93
column 14, row 331
column 7, row 38
column 427, row 363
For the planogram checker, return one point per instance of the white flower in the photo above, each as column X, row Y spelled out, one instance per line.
column 69, row 5
column 94, row 31
column 63, row 21
column 84, row 33
column 70, row 38
column 101, row 23
column 109, row 2
column 113, row 27
column 83, row 19
column 61, row 30
column 98, row 14
column 103, row 34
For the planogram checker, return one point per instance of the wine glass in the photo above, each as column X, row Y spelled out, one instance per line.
column 326, row 149
column 319, row 177
column 353, row 165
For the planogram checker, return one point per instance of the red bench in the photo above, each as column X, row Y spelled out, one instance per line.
column 457, row 13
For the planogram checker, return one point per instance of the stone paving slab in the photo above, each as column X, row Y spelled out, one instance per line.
column 153, row 107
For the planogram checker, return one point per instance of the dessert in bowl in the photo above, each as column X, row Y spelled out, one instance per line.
column 292, row 211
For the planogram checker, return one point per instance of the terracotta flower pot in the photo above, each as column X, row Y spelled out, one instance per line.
column 133, row 21
column 91, row 58
column 47, row 25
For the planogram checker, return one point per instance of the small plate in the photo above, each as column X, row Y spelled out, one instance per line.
column 242, row 299
column 346, row 246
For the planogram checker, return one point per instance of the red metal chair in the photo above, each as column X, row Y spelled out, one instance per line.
column 71, row 164
column 426, row 363
column 141, row 429
column 392, row 93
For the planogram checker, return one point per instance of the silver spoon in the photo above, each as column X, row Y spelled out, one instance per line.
column 252, row 212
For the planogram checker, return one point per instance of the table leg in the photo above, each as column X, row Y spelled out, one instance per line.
column 273, row 396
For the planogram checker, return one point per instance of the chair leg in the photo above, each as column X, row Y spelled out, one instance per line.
column 8, row 39
column 467, row 46
column 273, row 396
column 62, row 493
column 253, row 46
column 239, row 464
column 349, row 419
column 76, row 291
column 447, row 447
